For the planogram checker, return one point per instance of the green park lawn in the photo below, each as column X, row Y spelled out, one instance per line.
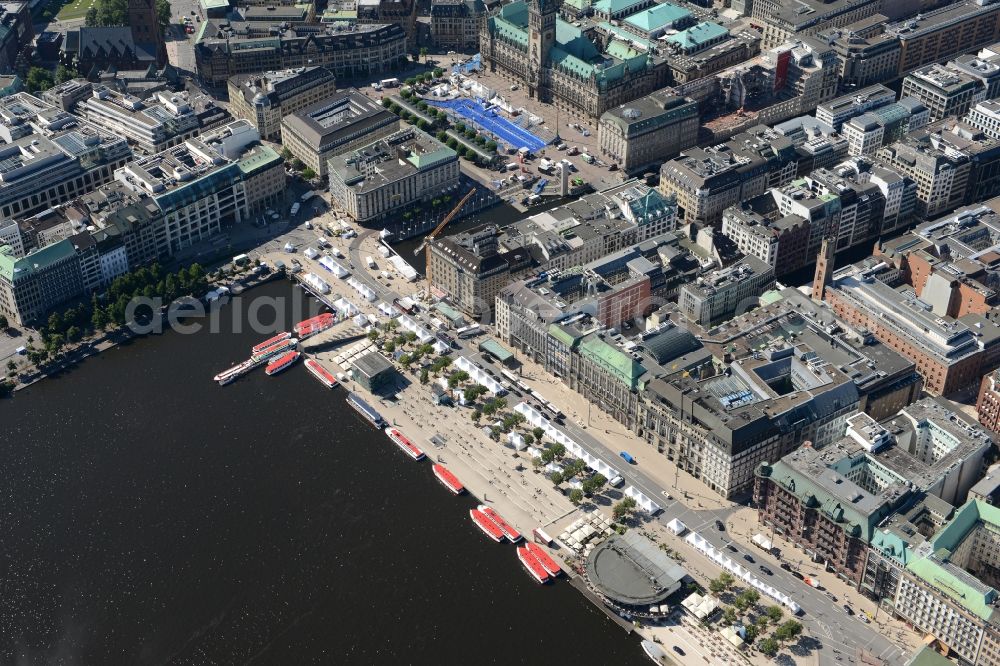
column 76, row 9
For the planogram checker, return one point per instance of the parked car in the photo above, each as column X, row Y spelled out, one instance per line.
column 848, row 610
column 732, row 547
column 786, row 566
column 678, row 650
column 627, row 457
column 766, row 571
column 719, row 526
column 749, row 558
column 798, row 575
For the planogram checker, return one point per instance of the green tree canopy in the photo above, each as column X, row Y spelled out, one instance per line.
column 768, row 646
column 576, row 496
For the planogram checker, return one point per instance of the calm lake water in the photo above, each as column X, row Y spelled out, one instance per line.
column 152, row 517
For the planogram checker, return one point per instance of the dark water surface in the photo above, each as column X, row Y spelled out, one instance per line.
column 152, row 517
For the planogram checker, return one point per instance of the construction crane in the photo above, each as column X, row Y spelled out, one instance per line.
column 426, row 244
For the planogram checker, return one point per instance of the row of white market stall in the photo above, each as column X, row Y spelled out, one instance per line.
column 333, row 266
column 366, row 292
column 413, row 326
column 479, row 375
column 719, row 557
column 537, row 419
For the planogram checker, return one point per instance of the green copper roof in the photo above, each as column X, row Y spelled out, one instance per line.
column 621, row 50
column 515, row 13
column 573, row 41
column 577, row 4
column 427, row 160
column 615, row 6
column 950, row 581
column 697, row 35
column 12, row 268
column 620, row 364
column 563, row 336
column 623, row 34
column 950, row 536
column 258, row 159
column 657, row 16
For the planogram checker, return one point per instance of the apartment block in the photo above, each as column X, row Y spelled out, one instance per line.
column 264, row 99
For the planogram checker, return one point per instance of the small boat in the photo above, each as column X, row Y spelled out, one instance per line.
column 544, row 559
column 270, row 342
column 276, row 349
column 504, row 526
column 531, row 565
column 306, row 324
column 488, row 527
column 409, row 448
column 366, row 410
column 232, row 374
column 653, row 651
column 321, row 373
column 449, row 480
column 281, row 363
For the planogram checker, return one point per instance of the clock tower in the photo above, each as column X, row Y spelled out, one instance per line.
column 541, row 39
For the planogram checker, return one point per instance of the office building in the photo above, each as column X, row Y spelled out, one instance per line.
column 952, row 162
column 648, row 131
column 31, row 286
column 339, row 123
column 943, row 90
column 706, row 181
column 207, row 183
column 719, row 295
column 866, row 133
column 387, row 176
column 940, row 34
column 266, row 98
column 50, row 156
column 841, row 109
column 947, row 590
column 226, row 49
column 832, row 501
column 455, row 24
column 472, row 267
column 950, row 353
column 728, row 51
column 988, row 402
column 867, row 55
column 782, row 22
column 165, row 121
